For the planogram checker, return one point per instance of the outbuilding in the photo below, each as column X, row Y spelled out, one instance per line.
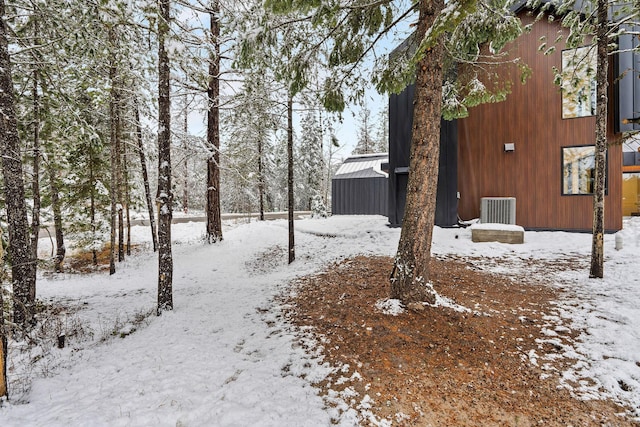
column 360, row 186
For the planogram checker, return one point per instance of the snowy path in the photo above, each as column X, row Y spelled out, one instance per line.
column 222, row 357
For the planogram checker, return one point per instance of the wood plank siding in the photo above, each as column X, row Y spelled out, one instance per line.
column 531, row 118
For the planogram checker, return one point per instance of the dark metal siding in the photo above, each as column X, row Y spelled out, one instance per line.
column 627, row 87
column 359, row 196
column 400, row 125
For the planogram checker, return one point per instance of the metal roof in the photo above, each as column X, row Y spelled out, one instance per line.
column 363, row 166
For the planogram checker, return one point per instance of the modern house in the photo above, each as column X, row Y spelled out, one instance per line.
column 534, row 150
column 360, row 187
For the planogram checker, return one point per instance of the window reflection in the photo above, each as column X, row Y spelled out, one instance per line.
column 578, row 82
column 578, row 170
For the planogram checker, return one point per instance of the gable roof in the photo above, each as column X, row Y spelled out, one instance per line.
column 362, row 166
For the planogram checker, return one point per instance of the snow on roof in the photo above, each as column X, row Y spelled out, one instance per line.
column 363, row 166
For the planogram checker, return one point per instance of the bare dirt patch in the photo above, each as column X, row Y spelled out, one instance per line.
column 441, row 367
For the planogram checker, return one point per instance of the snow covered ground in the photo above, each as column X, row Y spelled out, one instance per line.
column 226, row 357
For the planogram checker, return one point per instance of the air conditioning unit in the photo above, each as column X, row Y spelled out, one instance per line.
column 501, row 210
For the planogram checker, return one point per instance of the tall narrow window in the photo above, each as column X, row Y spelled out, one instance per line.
column 578, row 170
column 578, row 83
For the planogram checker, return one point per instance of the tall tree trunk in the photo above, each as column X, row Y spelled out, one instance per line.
column 23, row 266
column 214, row 220
column 410, row 275
column 145, row 177
column 185, row 148
column 35, row 183
column 165, row 257
column 3, row 335
column 290, row 201
column 113, row 136
column 597, row 244
column 127, row 195
column 57, row 214
column 260, row 177
column 92, row 206
column 119, row 163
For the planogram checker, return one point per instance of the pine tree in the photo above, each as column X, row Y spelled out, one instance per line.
column 249, row 125
column 366, row 143
column 214, row 219
column 23, row 266
column 354, row 28
column 290, row 179
column 381, row 130
column 165, row 191
column 310, row 170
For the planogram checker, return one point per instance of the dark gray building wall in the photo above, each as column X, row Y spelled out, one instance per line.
column 631, row 158
column 626, row 85
column 400, row 125
column 359, row 196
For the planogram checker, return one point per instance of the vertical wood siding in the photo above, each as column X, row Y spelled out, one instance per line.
column 531, row 118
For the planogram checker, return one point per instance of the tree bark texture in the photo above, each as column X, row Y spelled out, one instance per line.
column 23, row 266
column 597, row 243
column 410, row 275
column 145, row 178
column 57, row 214
column 290, row 201
column 127, row 194
column 92, row 207
column 214, row 220
column 3, row 335
column 185, row 149
column 119, row 162
column 35, row 182
column 165, row 257
column 113, row 184
column 260, row 178
column 3, row 354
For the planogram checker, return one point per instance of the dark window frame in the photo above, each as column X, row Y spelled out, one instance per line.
column 563, row 94
column 562, row 169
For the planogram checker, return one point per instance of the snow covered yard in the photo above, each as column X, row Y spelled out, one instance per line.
column 225, row 356
column 605, row 311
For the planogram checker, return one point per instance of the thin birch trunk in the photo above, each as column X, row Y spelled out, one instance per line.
column 597, row 244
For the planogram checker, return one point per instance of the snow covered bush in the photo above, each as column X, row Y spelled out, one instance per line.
column 318, row 208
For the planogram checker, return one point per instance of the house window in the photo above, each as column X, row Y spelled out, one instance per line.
column 578, row 170
column 578, row 82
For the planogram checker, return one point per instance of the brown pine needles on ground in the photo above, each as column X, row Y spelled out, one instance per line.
column 438, row 366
